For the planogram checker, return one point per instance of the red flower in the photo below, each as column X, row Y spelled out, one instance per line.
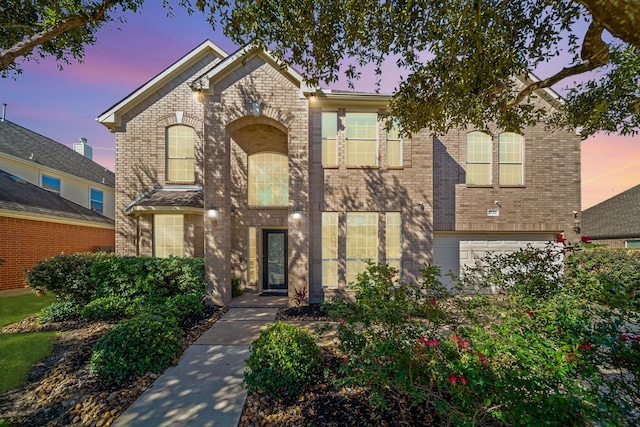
column 500, row 292
column 432, row 300
column 484, row 361
column 345, row 359
column 465, row 344
column 342, row 321
column 586, row 346
column 432, row 342
column 463, row 380
column 530, row 314
column 453, row 379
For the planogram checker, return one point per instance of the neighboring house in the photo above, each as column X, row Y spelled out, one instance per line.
column 36, row 224
column 57, row 168
column 290, row 187
column 616, row 221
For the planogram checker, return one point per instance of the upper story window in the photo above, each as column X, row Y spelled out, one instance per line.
column 97, row 201
column 268, row 179
column 51, row 183
column 329, row 139
column 394, row 146
column 510, row 158
column 478, row 158
column 362, row 139
column 180, row 154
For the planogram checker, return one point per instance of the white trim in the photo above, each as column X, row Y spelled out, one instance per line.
column 111, row 117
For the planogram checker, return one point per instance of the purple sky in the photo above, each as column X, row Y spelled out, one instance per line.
column 63, row 105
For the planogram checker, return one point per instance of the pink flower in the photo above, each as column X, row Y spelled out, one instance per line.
column 432, row 300
column 463, row 380
column 342, row 321
column 432, row 342
column 484, row 361
column 345, row 359
column 453, row 379
column 465, row 344
column 586, row 346
column 393, row 275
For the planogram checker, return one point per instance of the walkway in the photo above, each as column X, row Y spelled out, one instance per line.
column 204, row 388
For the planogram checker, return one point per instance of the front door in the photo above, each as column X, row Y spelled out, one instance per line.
column 274, row 259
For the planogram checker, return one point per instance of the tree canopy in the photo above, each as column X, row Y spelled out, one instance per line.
column 460, row 56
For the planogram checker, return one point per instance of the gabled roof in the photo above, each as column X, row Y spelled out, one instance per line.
column 19, row 196
column 110, row 117
column 237, row 58
column 615, row 218
column 23, row 144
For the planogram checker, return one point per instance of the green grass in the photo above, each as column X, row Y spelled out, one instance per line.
column 18, row 352
column 15, row 308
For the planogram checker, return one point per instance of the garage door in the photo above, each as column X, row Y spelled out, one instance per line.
column 452, row 252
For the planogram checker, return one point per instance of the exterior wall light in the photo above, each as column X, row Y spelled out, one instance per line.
column 255, row 108
column 297, row 214
column 212, row 212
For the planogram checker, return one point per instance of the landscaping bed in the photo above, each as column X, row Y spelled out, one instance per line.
column 60, row 390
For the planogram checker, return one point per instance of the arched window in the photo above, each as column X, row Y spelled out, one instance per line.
column 180, row 154
column 510, row 158
column 478, row 158
column 268, row 179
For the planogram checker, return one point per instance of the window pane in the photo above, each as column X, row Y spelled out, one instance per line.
column 632, row 244
column 168, row 235
column 329, row 249
column 362, row 241
column 510, row 155
column 329, row 125
column 253, row 262
column 394, row 146
column 362, row 139
column 180, row 153
column 268, row 179
column 393, row 234
column 329, row 139
column 362, row 125
column 361, row 153
column 96, row 201
column 51, row 184
column 478, row 158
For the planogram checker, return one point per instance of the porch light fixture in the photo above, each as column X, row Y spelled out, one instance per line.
column 212, row 212
column 297, row 214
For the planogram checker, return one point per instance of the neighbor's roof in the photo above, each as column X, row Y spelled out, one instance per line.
column 30, row 146
column 18, row 195
column 615, row 218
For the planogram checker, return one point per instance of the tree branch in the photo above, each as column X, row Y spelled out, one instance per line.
column 8, row 56
column 595, row 54
column 620, row 17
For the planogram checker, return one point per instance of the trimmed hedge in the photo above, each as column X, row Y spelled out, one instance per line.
column 135, row 346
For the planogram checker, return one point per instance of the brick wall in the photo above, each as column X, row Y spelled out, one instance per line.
column 24, row 242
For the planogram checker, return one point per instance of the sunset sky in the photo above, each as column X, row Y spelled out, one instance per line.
column 63, row 105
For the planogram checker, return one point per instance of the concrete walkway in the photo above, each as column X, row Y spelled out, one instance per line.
column 204, row 388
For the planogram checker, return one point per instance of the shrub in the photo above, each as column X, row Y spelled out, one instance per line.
column 135, row 346
column 59, row 311
column 129, row 276
column 236, row 287
column 518, row 358
column 609, row 276
column 284, row 358
column 108, row 308
column 66, row 275
column 180, row 307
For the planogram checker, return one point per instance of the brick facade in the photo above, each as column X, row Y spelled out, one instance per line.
column 23, row 242
column 252, row 105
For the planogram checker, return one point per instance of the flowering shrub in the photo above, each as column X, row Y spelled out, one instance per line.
column 535, row 353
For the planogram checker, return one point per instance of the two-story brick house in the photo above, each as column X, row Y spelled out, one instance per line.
column 289, row 187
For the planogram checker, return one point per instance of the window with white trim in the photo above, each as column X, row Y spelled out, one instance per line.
column 478, row 170
column 329, row 249
column 362, row 242
column 268, row 179
column 97, row 201
column 510, row 147
column 362, row 139
column 168, row 235
column 180, row 154
column 394, row 146
column 329, row 139
column 393, row 244
column 51, row 183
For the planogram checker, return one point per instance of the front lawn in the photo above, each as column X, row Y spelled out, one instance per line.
column 16, row 308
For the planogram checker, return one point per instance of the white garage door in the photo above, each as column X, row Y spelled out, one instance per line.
column 452, row 252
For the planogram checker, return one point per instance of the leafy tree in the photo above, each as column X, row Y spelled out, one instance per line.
column 35, row 29
column 461, row 55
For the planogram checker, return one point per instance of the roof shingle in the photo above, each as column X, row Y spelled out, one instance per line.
column 615, row 218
